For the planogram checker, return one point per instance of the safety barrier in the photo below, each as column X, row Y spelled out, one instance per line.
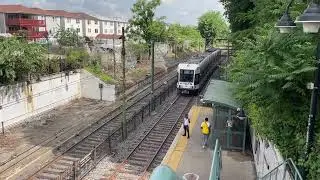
column 216, row 165
column 287, row 170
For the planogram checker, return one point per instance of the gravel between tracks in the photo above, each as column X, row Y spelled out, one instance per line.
column 107, row 165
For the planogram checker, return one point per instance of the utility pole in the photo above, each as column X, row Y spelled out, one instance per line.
column 175, row 51
column 123, row 58
column 114, row 57
column 152, row 68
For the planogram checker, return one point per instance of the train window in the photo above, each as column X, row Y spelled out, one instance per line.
column 186, row 75
column 197, row 79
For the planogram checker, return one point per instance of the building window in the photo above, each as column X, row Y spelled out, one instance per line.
column 89, row 30
column 68, row 20
column 111, row 31
column 111, row 23
column 78, row 21
column 78, row 30
column 105, row 23
column 89, row 22
column 95, row 22
column 119, row 31
column 96, row 31
column 106, row 31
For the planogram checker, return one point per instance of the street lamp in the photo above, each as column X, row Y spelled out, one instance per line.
column 242, row 116
column 285, row 23
column 310, row 20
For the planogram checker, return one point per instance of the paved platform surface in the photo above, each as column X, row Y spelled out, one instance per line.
column 188, row 156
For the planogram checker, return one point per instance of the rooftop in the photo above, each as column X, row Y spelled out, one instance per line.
column 37, row 11
column 220, row 93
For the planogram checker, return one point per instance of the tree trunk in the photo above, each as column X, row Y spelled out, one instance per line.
column 149, row 51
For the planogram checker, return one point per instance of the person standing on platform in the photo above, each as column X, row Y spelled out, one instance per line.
column 205, row 129
column 186, row 122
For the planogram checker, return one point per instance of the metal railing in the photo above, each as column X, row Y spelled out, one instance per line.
column 287, row 170
column 216, row 165
column 82, row 167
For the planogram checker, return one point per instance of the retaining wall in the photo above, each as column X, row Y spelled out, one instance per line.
column 266, row 155
column 21, row 101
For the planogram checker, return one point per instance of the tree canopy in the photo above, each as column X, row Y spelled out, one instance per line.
column 143, row 23
column 211, row 25
column 20, row 60
column 69, row 38
column 271, row 71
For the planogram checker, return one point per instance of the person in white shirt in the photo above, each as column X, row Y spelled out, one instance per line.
column 186, row 122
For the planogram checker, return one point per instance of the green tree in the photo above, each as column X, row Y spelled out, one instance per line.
column 211, row 24
column 69, row 38
column 237, row 12
column 143, row 24
column 20, row 60
column 271, row 71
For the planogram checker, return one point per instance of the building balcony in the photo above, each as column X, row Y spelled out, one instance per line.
column 26, row 22
column 32, row 34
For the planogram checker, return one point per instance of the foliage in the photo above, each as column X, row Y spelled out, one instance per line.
column 271, row 71
column 76, row 58
column 237, row 11
column 211, row 25
column 20, row 60
column 178, row 34
column 69, row 38
column 97, row 71
column 143, row 23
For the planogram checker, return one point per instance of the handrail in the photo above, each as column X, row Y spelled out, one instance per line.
column 297, row 175
column 216, row 162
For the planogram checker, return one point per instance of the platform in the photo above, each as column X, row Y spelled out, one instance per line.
column 188, row 156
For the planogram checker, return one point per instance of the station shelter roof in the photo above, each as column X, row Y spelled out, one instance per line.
column 220, row 93
column 164, row 172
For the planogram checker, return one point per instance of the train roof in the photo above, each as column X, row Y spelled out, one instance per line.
column 194, row 61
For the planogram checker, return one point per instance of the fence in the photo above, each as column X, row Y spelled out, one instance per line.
column 216, row 165
column 287, row 170
column 80, row 168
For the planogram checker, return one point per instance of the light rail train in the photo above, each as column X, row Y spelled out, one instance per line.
column 193, row 74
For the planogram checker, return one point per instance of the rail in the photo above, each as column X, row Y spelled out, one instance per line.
column 81, row 167
column 287, row 170
column 216, row 165
column 167, row 135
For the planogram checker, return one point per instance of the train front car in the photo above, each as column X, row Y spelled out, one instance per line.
column 188, row 78
column 193, row 74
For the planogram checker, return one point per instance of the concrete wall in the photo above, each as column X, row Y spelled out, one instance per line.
column 90, row 88
column 266, row 157
column 21, row 101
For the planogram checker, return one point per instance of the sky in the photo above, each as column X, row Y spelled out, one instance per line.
column 179, row 11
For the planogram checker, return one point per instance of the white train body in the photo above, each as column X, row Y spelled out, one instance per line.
column 193, row 74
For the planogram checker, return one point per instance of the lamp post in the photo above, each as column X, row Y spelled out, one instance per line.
column 310, row 20
column 242, row 116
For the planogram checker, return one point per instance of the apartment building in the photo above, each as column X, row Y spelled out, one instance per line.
column 40, row 23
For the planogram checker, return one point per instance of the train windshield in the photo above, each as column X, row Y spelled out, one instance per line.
column 186, row 75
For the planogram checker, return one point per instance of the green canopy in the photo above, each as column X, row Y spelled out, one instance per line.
column 220, row 93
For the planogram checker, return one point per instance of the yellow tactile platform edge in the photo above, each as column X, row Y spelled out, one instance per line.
column 174, row 155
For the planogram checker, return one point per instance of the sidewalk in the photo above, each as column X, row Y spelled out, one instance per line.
column 188, row 156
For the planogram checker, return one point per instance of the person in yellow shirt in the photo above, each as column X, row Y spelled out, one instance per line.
column 205, row 129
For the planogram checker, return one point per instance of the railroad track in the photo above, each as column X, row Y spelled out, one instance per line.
column 140, row 98
column 149, row 152
column 61, row 166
